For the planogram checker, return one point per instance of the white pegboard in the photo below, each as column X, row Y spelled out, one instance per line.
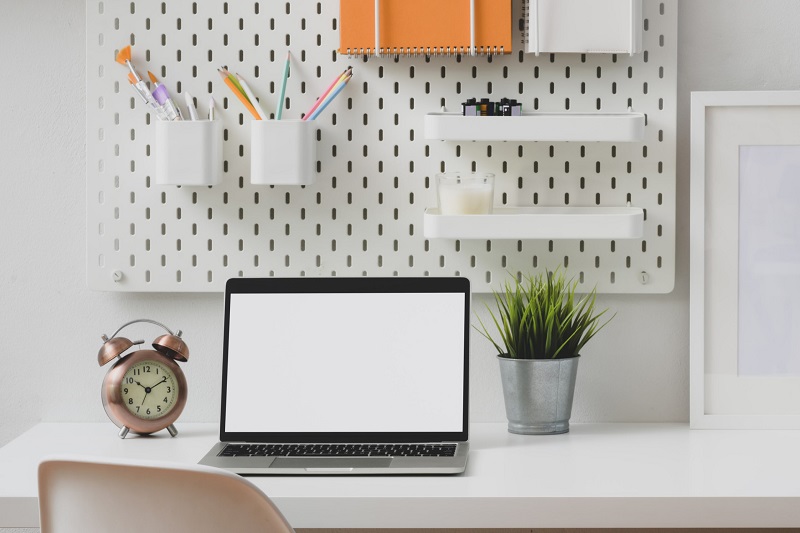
column 364, row 213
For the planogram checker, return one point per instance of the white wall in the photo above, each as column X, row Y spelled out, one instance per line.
column 635, row 370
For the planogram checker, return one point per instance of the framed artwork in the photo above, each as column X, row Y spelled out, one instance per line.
column 745, row 260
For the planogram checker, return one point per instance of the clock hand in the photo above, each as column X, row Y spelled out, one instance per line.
column 148, row 390
column 163, row 380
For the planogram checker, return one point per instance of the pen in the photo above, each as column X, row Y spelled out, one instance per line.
column 190, row 105
column 251, row 97
column 282, row 94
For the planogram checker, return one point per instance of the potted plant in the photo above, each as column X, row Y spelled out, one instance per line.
column 541, row 327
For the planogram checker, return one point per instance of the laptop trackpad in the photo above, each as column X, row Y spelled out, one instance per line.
column 338, row 463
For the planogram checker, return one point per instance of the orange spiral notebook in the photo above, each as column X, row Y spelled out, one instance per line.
column 424, row 27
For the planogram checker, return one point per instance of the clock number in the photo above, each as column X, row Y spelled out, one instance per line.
column 147, row 369
column 159, row 408
column 129, row 381
column 169, row 389
column 165, row 401
column 137, row 371
column 130, row 401
column 148, row 411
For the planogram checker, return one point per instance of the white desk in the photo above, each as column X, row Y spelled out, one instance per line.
column 598, row 475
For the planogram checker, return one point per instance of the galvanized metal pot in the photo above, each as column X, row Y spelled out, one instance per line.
column 538, row 394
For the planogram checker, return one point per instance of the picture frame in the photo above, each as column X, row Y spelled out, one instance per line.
column 745, row 260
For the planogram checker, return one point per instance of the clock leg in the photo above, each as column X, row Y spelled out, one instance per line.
column 123, row 432
column 172, row 430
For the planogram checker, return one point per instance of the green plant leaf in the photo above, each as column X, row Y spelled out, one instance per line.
column 539, row 316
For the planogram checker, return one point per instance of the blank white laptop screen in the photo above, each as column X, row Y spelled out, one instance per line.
column 345, row 362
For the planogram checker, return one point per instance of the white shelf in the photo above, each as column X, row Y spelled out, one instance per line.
column 538, row 223
column 586, row 127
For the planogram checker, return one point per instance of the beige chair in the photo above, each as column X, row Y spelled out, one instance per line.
column 81, row 495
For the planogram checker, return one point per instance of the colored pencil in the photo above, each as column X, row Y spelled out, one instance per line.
column 240, row 95
column 235, row 82
column 331, row 96
column 341, row 76
column 282, row 94
column 252, row 98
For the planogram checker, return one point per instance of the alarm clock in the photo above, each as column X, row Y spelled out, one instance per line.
column 145, row 390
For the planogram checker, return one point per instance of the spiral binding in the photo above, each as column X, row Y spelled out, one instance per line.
column 427, row 51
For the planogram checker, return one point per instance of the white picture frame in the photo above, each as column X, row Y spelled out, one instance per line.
column 744, row 147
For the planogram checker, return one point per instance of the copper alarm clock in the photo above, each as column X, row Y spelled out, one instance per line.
column 145, row 390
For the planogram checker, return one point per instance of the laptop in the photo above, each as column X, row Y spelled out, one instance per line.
column 344, row 376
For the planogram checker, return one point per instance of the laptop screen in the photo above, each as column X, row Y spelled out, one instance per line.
column 345, row 359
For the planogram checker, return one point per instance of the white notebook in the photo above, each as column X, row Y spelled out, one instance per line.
column 582, row 26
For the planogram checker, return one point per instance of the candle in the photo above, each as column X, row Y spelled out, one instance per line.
column 465, row 194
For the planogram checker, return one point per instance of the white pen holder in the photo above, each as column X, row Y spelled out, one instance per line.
column 283, row 152
column 188, row 152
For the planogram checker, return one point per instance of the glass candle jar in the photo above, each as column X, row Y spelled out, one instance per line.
column 462, row 193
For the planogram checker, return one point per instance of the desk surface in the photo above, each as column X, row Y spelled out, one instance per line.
column 598, row 475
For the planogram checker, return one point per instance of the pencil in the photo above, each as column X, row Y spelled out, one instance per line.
column 330, row 97
column 242, row 98
column 236, row 83
column 341, row 76
column 282, row 94
column 251, row 97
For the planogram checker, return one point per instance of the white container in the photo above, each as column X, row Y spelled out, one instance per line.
column 465, row 193
column 188, row 152
column 283, row 152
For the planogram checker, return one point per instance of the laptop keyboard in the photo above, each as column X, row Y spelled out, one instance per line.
column 338, row 450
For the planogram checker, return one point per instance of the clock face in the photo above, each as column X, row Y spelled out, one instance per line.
column 149, row 390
